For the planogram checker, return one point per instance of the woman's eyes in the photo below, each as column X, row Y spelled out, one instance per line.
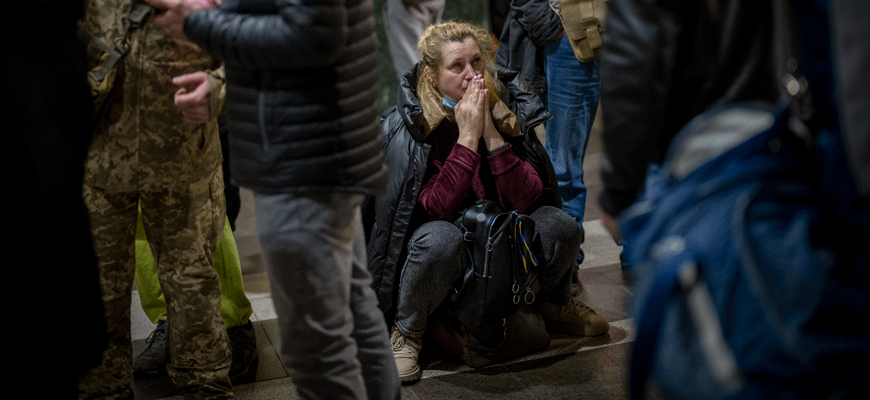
column 458, row 67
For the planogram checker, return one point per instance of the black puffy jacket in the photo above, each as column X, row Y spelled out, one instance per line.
column 302, row 89
column 390, row 213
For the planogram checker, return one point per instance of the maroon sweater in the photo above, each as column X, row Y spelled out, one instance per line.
column 456, row 177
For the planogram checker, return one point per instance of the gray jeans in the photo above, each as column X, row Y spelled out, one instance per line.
column 334, row 340
column 437, row 259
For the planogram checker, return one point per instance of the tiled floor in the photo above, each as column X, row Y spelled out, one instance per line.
column 570, row 368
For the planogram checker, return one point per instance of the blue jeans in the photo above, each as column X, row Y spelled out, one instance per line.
column 573, row 88
column 334, row 341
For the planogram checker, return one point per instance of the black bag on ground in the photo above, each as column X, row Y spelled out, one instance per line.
column 502, row 274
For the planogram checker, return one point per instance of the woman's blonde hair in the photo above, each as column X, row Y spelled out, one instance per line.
column 431, row 45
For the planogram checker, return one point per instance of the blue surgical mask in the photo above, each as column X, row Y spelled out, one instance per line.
column 449, row 102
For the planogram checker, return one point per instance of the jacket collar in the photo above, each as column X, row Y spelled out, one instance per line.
column 425, row 111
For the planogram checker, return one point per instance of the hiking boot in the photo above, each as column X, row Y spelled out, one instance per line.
column 243, row 343
column 574, row 318
column 406, row 352
column 152, row 360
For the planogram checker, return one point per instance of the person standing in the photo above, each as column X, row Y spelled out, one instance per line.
column 48, row 126
column 235, row 307
column 535, row 44
column 302, row 114
column 404, row 23
column 572, row 97
column 162, row 152
column 677, row 80
column 655, row 81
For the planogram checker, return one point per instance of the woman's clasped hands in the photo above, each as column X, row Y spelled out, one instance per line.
column 474, row 117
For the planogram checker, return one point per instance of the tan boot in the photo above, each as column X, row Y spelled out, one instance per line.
column 574, row 318
column 406, row 352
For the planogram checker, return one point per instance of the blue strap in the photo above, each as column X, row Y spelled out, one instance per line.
column 523, row 246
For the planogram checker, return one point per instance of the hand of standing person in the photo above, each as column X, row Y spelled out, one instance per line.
column 171, row 14
column 195, row 104
column 470, row 112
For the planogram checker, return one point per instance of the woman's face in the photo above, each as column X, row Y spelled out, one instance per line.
column 460, row 62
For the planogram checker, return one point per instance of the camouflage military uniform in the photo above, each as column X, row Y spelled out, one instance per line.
column 142, row 149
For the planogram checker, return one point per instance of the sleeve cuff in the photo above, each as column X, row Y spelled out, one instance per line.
column 498, row 150
column 218, row 90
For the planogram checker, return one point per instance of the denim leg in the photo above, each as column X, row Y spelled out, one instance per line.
column 436, row 260
column 558, row 238
column 334, row 341
column 572, row 97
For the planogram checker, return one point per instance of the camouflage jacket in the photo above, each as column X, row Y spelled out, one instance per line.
column 141, row 141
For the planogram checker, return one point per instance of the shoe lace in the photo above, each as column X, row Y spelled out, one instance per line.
column 400, row 347
column 397, row 340
column 157, row 338
column 582, row 309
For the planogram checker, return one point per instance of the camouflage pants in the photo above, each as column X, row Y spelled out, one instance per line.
column 184, row 226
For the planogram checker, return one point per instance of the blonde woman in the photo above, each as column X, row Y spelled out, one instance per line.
column 451, row 140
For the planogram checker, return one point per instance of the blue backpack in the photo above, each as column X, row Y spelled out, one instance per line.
column 743, row 287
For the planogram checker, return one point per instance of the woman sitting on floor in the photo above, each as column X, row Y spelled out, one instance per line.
column 450, row 141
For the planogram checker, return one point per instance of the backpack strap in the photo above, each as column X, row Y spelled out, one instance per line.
column 679, row 278
column 103, row 57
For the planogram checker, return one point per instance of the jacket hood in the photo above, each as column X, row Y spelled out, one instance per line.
column 408, row 105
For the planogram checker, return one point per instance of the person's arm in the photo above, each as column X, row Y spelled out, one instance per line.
column 217, row 79
column 633, row 95
column 446, row 184
column 201, row 95
column 517, row 181
column 538, row 20
column 518, row 184
column 492, row 139
column 470, row 114
column 193, row 97
column 261, row 34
